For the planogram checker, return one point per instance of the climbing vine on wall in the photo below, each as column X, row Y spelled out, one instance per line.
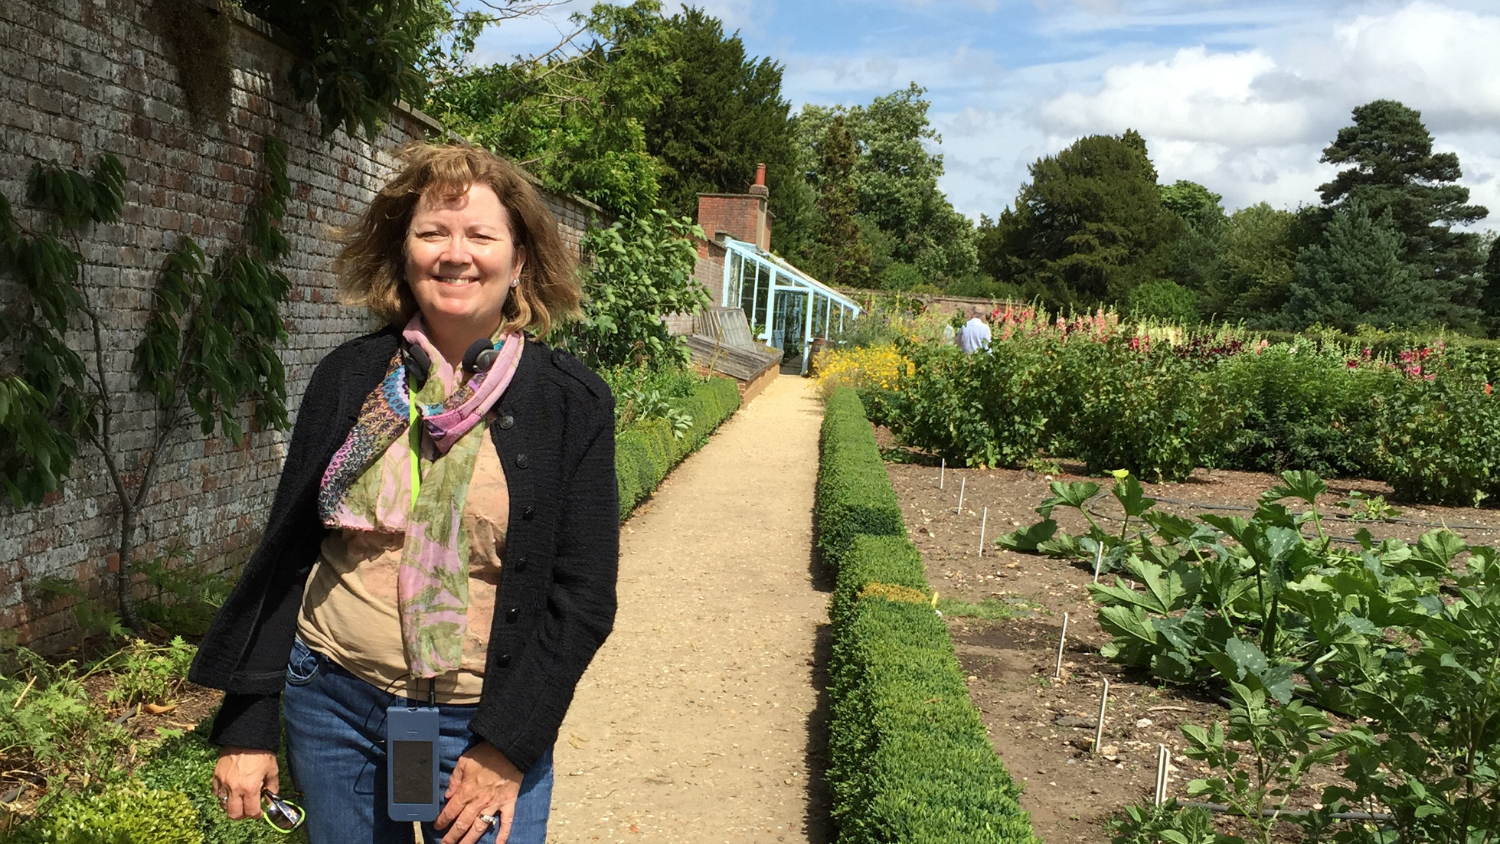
column 363, row 54
column 208, row 349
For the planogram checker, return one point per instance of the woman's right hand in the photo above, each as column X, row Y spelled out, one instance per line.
column 239, row 777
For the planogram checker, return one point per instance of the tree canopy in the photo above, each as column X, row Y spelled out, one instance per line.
column 1356, row 276
column 1089, row 226
column 1393, row 170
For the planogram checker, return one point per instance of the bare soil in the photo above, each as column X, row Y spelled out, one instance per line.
column 1043, row 728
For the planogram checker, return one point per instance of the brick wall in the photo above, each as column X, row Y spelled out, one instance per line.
column 79, row 78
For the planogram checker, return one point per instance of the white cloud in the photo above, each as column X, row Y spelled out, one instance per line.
column 1196, row 95
column 1251, row 123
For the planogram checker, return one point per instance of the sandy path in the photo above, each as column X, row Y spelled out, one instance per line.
column 701, row 719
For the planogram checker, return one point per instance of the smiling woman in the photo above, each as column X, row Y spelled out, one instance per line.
column 427, row 458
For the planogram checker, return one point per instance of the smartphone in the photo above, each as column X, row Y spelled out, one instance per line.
column 411, row 758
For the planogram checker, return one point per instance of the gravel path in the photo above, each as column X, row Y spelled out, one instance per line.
column 702, row 719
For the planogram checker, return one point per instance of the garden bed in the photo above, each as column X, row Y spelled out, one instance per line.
column 1041, row 728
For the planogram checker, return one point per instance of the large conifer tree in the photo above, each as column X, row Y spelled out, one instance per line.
column 1393, row 170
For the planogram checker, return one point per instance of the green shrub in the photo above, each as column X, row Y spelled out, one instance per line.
column 1303, row 410
column 126, row 813
column 854, row 495
column 908, row 758
column 1439, row 440
column 1148, row 412
column 184, row 765
column 1163, row 299
column 986, row 409
column 648, row 449
column 874, row 559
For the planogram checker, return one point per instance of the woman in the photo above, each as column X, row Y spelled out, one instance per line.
column 472, row 561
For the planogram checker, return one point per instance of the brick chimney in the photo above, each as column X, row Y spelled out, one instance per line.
column 742, row 216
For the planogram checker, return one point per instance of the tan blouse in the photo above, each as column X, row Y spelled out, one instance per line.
column 349, row 607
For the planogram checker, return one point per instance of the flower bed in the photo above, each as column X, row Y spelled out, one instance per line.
column 1161, row 401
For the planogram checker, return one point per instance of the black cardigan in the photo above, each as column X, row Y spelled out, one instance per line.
column 554, row 430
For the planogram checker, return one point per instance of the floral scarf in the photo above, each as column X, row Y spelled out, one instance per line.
column 368, row 486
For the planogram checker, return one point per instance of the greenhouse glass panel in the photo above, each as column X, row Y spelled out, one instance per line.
column 785, row 307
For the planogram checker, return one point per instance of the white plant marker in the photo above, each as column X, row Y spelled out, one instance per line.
column 1057, row 672
column 1099, row 562
column 1163, row 769
column 1103, row 701
column 941, row 472
column 962, row 482
column 983, row 520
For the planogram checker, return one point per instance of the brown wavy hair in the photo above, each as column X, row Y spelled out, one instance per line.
column 371, row 267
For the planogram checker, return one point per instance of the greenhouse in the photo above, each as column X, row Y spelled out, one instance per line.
column 787, row 308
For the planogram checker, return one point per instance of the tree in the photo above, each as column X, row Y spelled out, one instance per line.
column 1195, row 257
column 1088, row 227
column 575, row 115
column 840, row 255
column 639, row 270
column 898, row 191
column 1394, row 171
column 723, row 115
column 1255, row 265
column 1356, row 276
column 904, row 216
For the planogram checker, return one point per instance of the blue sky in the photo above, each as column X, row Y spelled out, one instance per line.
column 1240, row 96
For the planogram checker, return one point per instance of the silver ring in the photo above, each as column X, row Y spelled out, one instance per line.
column 223, row 800
column 487, row 820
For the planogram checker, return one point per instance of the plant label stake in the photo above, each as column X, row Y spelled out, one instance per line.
column 941, row 472
column 1057, row 672
column 1098, row 561
column 1163, row 767
column 962, row 482
column 1099, row 731
column 983, row 520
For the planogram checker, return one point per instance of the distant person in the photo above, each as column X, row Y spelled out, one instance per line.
column 976, row 332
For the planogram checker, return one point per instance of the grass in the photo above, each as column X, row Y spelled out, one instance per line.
column 989, row 609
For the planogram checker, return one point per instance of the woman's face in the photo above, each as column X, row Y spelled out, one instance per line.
column 461, row 261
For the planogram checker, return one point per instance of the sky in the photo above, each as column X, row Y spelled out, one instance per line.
column 1239, row 96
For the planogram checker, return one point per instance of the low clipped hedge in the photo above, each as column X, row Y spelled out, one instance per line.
column 122, row 813
column 185, row 765
column 854, row 495
column 646, row 450
column 909, row 757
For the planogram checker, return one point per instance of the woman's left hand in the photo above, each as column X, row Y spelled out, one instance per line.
column 484, row 782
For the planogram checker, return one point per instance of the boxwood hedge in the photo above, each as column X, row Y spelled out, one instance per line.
column 909, row 758
column 648, row 449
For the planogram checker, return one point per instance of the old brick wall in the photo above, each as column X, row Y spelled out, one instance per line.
column 80, row 78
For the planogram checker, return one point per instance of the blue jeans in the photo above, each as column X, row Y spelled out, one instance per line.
column 335, row 725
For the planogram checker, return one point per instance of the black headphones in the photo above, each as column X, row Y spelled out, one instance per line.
column 479, row 358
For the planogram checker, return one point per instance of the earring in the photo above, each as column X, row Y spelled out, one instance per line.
column 515, row 282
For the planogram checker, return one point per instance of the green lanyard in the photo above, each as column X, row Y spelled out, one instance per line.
column 415, row 436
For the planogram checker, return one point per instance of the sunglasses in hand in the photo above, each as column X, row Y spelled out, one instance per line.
column 281, row 814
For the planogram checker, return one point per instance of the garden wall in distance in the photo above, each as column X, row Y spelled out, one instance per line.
column 81, row 78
